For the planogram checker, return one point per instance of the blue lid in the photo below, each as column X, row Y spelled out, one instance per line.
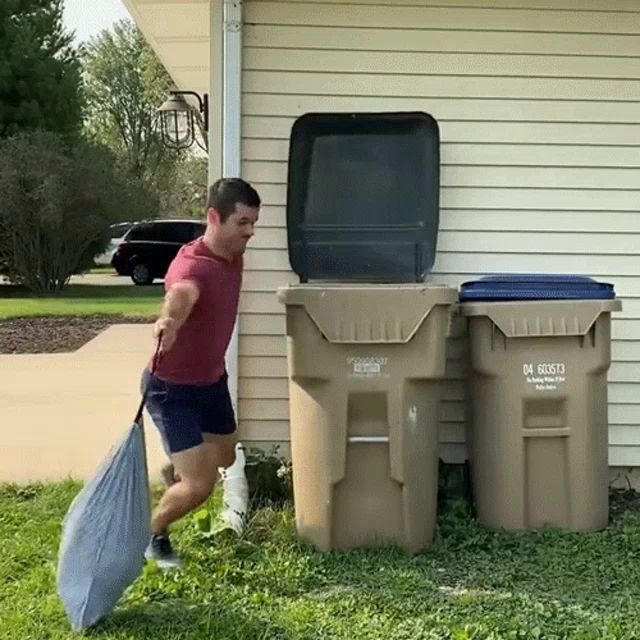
column 515, row 287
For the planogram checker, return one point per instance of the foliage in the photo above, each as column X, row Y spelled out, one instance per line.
column 472, row 584
column 125, row 83
column 269, row 476
column 40, row 82
column 186, row 196
column 269, row 480
column 59, row 197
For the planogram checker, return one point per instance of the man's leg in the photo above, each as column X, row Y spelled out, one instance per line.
column 219, row 450
column 222, row 448
column 197, row 473
column 177, row 412
column 157, row 392
column 200, row 429
column 168, row 473
column 197, row 470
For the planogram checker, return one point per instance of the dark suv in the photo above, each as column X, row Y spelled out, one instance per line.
column 148, row 248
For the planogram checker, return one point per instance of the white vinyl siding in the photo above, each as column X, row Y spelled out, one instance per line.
column 538, row 104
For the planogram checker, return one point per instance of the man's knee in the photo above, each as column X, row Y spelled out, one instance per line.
column 227, row 457
column 221, row 451
column 199, row 491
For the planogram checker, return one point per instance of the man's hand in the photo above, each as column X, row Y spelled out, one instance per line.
column 178, row 304
column 167, row 327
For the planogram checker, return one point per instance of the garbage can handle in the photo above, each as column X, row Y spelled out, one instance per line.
column 369, row 439
column 154, row 366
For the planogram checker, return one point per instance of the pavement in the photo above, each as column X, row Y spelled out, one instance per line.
column 102, row 279
column 107, row 279
column 60, row 414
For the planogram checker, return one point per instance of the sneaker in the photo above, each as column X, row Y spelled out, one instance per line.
column 161, row 551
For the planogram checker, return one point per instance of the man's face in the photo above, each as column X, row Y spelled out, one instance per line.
column 236, row 231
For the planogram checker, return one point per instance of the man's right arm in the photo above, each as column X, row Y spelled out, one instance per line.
column 178, row 304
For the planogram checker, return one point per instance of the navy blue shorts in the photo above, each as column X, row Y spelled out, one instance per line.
column 182, row 413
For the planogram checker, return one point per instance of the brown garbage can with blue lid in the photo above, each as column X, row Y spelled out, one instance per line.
column 540, row 350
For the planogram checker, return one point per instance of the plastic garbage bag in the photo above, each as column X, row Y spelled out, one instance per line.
column 105, row 533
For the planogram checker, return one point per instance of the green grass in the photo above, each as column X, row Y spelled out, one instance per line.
column 472, row 584
column 82, row 299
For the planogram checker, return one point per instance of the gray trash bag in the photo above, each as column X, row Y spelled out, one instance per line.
column 105, row 534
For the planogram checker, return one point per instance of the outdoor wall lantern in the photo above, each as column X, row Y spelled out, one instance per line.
column 179, row 119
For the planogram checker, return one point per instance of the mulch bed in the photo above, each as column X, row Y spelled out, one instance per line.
column 57, row 334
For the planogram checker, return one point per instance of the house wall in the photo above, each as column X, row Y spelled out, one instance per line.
column 538, row 103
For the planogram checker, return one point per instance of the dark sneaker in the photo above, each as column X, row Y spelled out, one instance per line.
column 161, row 551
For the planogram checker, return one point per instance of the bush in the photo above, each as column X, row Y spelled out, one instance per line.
column 269, row 476
column 58, row 199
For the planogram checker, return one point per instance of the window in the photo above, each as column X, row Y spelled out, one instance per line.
column 118, row 230
column 184, row 232
column 165, row 232
column 176, row 232
column 139, row 232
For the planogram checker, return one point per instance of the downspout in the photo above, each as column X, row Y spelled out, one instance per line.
column 231, row 132
column 229, row 26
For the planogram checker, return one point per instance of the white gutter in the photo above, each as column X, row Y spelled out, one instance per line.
column 215, row 90
column 231, row 132
column 225, row 117
column 236, row 491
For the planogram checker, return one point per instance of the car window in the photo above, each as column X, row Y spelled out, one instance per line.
column 118, row 230
column 139, row 232
column 181, row 232
column 154, row 232
column 198, row 229
column 166, row 232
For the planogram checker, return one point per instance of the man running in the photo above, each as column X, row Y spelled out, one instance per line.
column 188, row 397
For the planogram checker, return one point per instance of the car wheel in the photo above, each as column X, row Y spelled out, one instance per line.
column 141, row 274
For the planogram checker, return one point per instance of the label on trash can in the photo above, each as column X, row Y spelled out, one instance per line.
column 545, row 376
column 367, row 366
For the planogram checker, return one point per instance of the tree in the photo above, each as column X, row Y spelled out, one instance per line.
column 187, row 194
column 40, row 81
column 58, row 199
column 125, row 83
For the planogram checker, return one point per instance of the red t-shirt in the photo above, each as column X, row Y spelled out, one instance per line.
column 197, row 356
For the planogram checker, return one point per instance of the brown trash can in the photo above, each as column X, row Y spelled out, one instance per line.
column 365, row 363
column 538, row 429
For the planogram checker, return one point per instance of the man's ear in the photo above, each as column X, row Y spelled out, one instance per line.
column 213, row 217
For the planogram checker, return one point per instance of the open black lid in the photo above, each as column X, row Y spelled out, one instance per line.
column 363, row 196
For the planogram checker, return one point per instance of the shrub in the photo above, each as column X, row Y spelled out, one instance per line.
column 58, row 199
column 270, row 477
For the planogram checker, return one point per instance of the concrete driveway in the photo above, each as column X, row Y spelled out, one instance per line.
column 61, row 413
column 100, row 279
column 106, row 279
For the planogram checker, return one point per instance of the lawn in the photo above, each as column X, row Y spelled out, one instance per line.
column 83, row 299
column 472, row 584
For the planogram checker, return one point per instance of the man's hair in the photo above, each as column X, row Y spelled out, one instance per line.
column 224, row 194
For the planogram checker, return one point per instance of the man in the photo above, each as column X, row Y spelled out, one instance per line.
column 188, row 396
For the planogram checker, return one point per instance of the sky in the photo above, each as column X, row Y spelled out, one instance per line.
column 85, row 23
